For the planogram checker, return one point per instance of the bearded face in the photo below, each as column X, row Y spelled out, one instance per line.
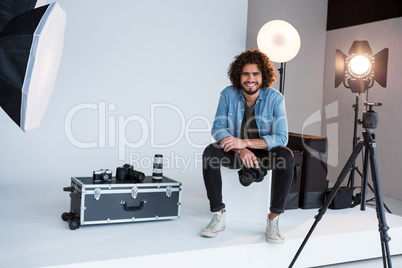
column 251, row 79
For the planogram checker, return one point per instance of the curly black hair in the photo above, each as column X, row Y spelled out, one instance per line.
column 253, row 56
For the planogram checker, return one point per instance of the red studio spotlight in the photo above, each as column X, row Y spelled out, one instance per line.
column 360, row 68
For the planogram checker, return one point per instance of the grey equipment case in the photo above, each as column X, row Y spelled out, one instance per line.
column 122, row 201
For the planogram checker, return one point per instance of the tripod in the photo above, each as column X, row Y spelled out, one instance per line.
column 370, row 120
column 359, row 198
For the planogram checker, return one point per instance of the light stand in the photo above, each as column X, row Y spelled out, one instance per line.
column 280, row 41
column 355, row 141
column 282, row 72
column 370, row 121
column 357, row 71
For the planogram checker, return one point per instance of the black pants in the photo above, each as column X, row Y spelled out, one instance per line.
column 280, row 160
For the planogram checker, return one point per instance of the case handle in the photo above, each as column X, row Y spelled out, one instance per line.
column 68, row 189
column 134, row 208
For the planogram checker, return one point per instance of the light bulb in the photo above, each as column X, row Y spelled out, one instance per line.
column 359, row 66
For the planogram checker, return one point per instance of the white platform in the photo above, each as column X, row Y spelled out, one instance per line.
column 32, row 234
column 253, row 200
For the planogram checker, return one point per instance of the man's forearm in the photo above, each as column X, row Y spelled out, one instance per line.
column 254, row 144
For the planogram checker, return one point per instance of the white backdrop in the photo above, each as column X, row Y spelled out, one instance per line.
column 123, row 61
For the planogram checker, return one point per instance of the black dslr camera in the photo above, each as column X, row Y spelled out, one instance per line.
column 128, row 173
column 102, row 175
column 249, row 175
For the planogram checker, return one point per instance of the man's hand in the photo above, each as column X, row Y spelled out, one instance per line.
column 248, row 158
column 229, row 143
column 240, row 146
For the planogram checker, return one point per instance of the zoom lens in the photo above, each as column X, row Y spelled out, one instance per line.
column 136, row 175
column 157, row 172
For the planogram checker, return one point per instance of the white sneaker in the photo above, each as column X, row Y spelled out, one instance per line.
column 216, row 225
column 274, row 235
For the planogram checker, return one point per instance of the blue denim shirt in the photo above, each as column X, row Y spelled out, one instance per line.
column 269, row 112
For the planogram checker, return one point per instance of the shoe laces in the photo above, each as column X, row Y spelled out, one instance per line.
column 216, row 219
column 274, row 227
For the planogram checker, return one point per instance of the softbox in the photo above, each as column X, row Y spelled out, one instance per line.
column 31, row 46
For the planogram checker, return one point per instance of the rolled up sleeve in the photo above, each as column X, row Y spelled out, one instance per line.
column 279, row 127
column 221, row 121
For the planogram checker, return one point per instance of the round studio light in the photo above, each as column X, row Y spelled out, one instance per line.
column 279, row 40
column 359, row 66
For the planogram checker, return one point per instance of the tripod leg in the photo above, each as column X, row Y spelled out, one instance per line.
column 364, row 179
column 331, row 196
column 385, row 205
column 365, row 183
column 382, row 224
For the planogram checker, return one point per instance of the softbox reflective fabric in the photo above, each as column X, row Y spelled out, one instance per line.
column 31, row 46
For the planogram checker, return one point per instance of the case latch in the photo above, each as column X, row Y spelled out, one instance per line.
column 169, row 191
column 97, row 193
column 134, row 192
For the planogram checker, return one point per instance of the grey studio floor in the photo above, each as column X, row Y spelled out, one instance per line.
column 32, row 234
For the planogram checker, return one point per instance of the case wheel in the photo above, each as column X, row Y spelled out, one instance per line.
column 69, row 216
column 73, row 225
column 65, row 216
column 72, row 218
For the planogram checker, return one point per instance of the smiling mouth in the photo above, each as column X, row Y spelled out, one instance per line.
column 250, row 84
column 250, row 88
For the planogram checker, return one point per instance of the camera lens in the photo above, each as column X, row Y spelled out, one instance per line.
column 157, row 172
column 249, row 175
column 106, row 177
column 136, row 175
column 246, row 179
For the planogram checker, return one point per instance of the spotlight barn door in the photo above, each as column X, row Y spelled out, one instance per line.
column 31, row 46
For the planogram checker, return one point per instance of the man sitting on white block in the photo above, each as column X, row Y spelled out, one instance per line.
column 251, row 131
